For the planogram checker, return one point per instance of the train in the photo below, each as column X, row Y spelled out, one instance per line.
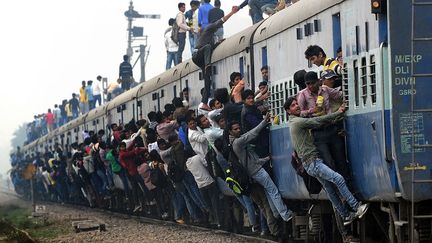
column 387, row 73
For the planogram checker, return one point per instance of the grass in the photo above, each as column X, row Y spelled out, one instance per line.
column 19, row 218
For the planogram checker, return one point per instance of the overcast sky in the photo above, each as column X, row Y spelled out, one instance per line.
column 49, row 46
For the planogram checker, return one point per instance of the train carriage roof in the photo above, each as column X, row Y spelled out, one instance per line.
column 291, row 16
column 234, row 44
column 123, row 98
column 97, row 112
column 77, row 122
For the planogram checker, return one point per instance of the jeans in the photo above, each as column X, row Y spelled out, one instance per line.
column 211, row 196
column 181, row 44
column 259, row 197
column 75, row 114
column 218, row 35
column 193, row 190
column 272, row 192
column 104, row 180
column 84, row 107
column 256, row 6
column 171, row 58
column 185, row 197
column 193, row 37
column 97, row 99
column 327, row 177
column 246, row 202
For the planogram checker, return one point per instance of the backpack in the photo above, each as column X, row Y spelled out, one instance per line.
column 312, row 184
column 157, row 177
column 213, row 166
column 175, row 173
column 174, row 32
column 236, row 175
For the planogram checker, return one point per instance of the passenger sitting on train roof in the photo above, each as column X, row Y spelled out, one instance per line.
column 114, row 89
column 237, row 85
column 204, row 48
column 317, row 56
column 303, row 143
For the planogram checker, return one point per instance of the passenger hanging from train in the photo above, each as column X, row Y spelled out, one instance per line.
column 317, row 56
column 251, row 117
column 254, row 165
column 331, row 80
column 176, row 173
column 303, row 143
column 204, row 49
column 216, row 110
column 237, row 85
column 262, row 96
column 256, row 8
column 170, row 46
column 126, row 74
column 231, row 111
column 315, row 101
column 166, row 127
column 185, row 96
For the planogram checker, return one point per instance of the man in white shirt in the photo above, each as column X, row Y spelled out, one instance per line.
column 183, row 28
column 97, row 98
column 197, row 139
column 171, row 46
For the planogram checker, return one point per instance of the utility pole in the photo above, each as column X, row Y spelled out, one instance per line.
column 134, row 32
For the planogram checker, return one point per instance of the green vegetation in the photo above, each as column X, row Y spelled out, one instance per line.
column 13, row 216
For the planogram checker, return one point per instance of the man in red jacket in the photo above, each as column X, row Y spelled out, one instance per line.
column 127, row 157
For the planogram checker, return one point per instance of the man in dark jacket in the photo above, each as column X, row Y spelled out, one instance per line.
column 253, row 164
column 203, row 52
column 125, row 73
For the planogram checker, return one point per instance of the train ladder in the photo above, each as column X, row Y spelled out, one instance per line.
column 414, row 166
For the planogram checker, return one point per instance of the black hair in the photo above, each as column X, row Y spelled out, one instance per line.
column 231, row 124
column 101, row 132
column 217, row 3
column 221, row 95
column 167, row 113
column 125, row 58
column 188, row 119
column 313, row 50
column 102, row 145
column 288, row 102
column 198, row 119
column 151, row 116
column 233, row 76
column 181, row 5
column 262, row 83
column 311, row 76
column 171, row 21
column 177, row 102
column 246, row 93
column 154, row 155
column 339, row 50
column 264, row 67
column 159, row 117
column 112, row 125
column 122, row 144
column 212, row 103
column 299, row 78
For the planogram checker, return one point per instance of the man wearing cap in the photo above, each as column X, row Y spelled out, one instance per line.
column 314, row 101
column 331, row 80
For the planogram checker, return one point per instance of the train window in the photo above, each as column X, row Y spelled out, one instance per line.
column 175, row 91
column 308, row 29
column 154, row 96
column 277, row 99
column 317, row 25
column 363, row 78
column 94, row 122
column 123, row 107
column 345, row 83
column 200, row 76
column 356, row 83
column 162, row 94
column 97, row 121
column 118, row 109
column 187, row 83
column 367, row 35
column 139, row 103
column 263, row 56
column 299, row 33
column 241, row 65
column 372, row 76
column 214, row 70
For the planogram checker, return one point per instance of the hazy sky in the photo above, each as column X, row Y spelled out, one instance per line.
column 49, row 46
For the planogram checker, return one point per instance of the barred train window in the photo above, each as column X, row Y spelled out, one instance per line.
column 345, row 83
column 279, row 93
column 372, row 76
column 356, row 82
column 363, row 79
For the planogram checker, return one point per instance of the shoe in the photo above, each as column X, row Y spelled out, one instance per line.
column 255, row 228
column 290, row 216
column 349, row 219
column 180, row 221
column 137, row 208
column 361, row 210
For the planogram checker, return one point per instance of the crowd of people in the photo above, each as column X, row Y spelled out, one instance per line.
column 200, row 16
column 211, row 165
